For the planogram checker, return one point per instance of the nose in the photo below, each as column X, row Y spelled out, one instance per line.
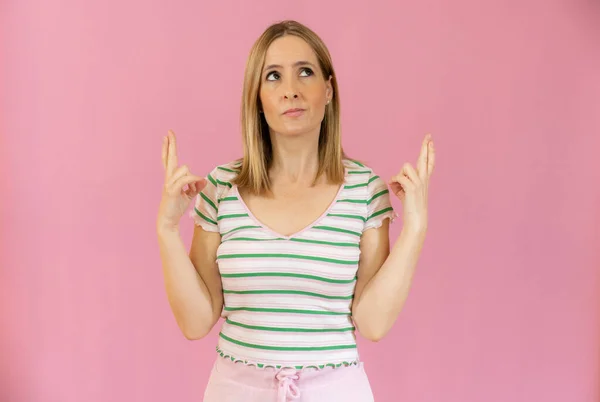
column 290, row 91
column 291, row 94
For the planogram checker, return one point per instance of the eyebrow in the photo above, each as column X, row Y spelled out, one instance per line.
column 296, row 64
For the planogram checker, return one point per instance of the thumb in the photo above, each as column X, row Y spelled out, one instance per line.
column 200, row 184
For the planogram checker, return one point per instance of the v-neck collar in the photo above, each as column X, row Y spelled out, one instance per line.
column 306, row 228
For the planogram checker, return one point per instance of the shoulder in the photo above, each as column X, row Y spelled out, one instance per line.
column 378, row 205
column 360, row 174
column 358, row 169
column 223, row 174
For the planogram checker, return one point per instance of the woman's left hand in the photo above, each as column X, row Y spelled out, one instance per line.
column 411, row 186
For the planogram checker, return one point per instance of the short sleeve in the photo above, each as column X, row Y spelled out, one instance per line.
column 379, row 206
column 206, row 204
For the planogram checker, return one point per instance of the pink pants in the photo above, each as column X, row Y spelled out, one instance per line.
column 236, row 382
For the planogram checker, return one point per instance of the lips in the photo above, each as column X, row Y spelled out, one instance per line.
column 293, row 112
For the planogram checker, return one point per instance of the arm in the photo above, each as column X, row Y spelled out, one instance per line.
column 192, row 282
column 384, row 279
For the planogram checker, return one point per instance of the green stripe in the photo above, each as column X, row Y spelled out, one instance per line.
column 277, row 329
column 289, row 348
column 228, row 199
column 285, row 310
column 359, row 171
column 372, row 179
column 358, row 163
column 286, row 292
column 361, row 218
column 208, row 200
column 287, row 274
column 383, row 211
column 332, row 229
column 206, row 218
column 224, row 183
column 349, row 186
column 241, row 228
column 281, row 255
column 226, row 169
column 250, row 239
column 353, row 201
column 379, row 194
column 232, row 216
column 217, row 181
column 328, row 243
column 212, row 180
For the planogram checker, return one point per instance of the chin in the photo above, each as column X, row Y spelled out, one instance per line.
column 291, row 131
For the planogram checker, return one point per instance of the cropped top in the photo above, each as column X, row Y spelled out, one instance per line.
column 287, row 299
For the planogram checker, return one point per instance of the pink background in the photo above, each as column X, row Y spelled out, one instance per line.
column 505, row 304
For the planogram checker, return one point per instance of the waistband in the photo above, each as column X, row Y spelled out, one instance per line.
column 287, row 381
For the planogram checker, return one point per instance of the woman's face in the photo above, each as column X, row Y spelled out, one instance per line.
column 293, row 91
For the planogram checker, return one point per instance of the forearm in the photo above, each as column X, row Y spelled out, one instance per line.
column 188, row 295
column 384, row 295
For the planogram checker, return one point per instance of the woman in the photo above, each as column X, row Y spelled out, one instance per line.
column 291, row 242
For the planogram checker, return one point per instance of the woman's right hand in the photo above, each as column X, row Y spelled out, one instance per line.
column 176, row 197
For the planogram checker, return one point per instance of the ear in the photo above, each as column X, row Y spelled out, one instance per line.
column 329, row 90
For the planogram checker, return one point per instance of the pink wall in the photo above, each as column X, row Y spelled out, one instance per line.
column 505, row 304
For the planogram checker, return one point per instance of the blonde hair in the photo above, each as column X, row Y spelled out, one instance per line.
column 258, row 151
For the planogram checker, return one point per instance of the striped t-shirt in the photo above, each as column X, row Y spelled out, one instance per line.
column 287, row 299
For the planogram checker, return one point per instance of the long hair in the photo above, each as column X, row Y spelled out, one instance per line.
column 258, row 150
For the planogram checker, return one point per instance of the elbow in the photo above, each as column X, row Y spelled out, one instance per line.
column 195, row 328
column 194, row 333
column 373, row 335
column 194, row 336
column 372, row 331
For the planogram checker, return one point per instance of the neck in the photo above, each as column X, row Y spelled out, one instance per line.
column 295, row 158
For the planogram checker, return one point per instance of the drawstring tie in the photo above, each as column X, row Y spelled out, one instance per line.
column 287, row 386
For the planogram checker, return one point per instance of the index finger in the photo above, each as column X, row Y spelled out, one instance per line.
column 422, row 161
column 164, row 152
column 172, row 153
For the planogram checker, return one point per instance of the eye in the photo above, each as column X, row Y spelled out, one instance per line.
column 273, row 76
column 306, row 72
